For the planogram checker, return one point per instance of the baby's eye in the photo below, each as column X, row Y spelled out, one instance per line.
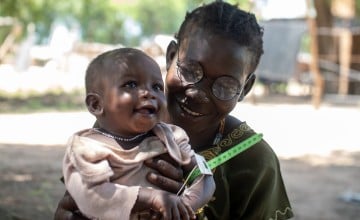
column 158, row 87
column 130, row 84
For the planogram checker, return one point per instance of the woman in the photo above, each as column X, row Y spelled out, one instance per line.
column 209, row 70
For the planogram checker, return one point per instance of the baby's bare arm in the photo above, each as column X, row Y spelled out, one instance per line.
column 201, row 190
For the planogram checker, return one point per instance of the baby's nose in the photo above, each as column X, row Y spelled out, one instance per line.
column 197, row 94
column 146, row 93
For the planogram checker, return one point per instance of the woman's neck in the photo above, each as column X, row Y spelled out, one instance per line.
column 202, row 140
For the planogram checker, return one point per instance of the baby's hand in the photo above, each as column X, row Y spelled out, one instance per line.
column 171, row 206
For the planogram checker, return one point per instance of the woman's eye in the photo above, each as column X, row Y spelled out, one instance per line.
column 184, row 71
column 130, row 84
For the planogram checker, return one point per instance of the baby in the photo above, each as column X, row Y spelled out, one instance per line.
column 104, row 167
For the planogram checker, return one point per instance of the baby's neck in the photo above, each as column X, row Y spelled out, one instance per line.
column 126, row 143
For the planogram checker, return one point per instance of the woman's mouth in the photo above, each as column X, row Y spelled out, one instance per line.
column 185, row 109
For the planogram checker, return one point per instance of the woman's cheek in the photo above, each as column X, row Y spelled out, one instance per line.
column 225, row 107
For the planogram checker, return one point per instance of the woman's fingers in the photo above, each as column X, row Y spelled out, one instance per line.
column 170, row 175
column 68, row 203
column 164, row 166
column 67, row 209
column 164, row 183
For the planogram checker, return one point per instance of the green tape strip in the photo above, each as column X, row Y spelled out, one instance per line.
column 227, row 155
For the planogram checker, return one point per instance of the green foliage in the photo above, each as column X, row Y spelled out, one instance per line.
column 102, row 21
column 357, row 7
column 99, row 20
column 166, row 16
column 161, row 17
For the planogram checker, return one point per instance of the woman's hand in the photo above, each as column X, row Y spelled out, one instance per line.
column 170, row 174
column 67, row 209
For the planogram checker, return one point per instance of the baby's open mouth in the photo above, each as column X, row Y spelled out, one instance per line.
column 147, row 110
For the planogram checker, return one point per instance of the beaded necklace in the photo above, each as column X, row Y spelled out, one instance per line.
column 220, row 133
column 107, row 134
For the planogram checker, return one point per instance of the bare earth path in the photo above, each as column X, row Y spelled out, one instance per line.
column 319, row 151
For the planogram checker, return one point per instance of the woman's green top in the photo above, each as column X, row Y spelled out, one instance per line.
column 248, row 186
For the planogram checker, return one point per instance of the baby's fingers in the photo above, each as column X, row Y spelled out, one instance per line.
column 186, row 212
column 166, row 214
column 176, row 212
column 183, row 212
column 190, row 211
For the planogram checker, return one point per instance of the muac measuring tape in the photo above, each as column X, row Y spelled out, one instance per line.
column 227, row 155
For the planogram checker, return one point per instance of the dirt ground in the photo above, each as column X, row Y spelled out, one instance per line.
column 29, row 173
column 30, row 186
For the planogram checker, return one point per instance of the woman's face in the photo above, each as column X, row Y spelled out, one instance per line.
column 194, row 107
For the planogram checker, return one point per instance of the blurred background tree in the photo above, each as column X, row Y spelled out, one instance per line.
column 105, row 21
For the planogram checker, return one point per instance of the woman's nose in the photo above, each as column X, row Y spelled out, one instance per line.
column 197, row 94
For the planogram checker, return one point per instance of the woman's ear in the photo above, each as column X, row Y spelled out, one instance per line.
column 248, row 85
column 94, row 104
column 170, row 53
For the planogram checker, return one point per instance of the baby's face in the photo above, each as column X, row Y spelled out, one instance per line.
column 134, row 99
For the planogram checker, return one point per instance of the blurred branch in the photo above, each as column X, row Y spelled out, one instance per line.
column 11, row 37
